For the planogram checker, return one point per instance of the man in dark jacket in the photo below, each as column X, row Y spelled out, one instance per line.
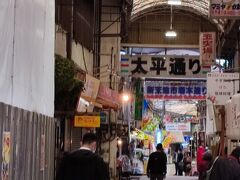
column 180, row 162
column 227, row 168
column 83, row 164
column 157, row 164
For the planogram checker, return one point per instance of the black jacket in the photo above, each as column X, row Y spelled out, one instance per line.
column 157, row 163
column 179, row 157
column 225, row 169
column 82, row 165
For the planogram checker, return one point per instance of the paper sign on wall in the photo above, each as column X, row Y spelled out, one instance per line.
column 6, row 155
column 221, row 86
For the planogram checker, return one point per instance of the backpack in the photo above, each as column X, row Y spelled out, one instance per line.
column 208, row 173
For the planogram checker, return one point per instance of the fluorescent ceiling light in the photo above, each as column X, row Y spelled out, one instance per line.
column 174, row 2
column 171, row 34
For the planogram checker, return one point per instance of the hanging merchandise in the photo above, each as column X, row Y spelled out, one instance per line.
column 167, row 141
column 138, row 134
column 151, row 119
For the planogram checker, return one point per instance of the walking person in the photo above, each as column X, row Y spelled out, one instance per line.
column 157, row 164
column 83, row 164
column 187, row 164
column 200, row 152
column 205, row 165
column 125, row 166
column 175, row 161
column 180, row 162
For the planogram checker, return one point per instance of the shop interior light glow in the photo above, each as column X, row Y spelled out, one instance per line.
column 125, row 97
column 119, row 141
column 171, row 33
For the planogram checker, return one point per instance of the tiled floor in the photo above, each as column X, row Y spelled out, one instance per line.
column 174, row 178
column 171, row 172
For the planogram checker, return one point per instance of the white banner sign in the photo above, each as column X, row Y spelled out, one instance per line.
column 162, row 66
column 207, row 48
column 176, row 127
column 224, row 8
column 172, row 89
column 222, row 86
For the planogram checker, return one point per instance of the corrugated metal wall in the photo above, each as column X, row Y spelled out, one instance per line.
column 32, row 140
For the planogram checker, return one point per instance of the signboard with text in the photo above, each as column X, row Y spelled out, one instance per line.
column 175, row 89
column 87, row 121
column 178, row 127
column 224, row 8
column 222, row 86
column 207, row 48
column 162, row 66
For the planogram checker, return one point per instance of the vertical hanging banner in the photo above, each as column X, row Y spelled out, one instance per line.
column 6, row 156
column 224, row 8
column 138, row 101
column 207, row 48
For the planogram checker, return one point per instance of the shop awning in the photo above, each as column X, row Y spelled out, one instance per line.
column 87, row 99
column 107, row 97
column 98, row 95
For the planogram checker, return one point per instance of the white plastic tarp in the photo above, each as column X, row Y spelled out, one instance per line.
column 210, row 121
column 27, row 54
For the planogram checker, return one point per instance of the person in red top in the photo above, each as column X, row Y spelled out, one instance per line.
column 205, row 165
column 200, row 152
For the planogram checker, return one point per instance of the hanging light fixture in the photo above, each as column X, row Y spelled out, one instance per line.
column 174, row 2
column 171, row 32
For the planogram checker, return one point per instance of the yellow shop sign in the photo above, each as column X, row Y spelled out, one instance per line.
column 87, row 121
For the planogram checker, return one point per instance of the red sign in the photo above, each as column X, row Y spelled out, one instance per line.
column 207, row 48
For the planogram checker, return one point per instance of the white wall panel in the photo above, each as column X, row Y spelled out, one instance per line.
column 32, row 55
column 6, row 49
